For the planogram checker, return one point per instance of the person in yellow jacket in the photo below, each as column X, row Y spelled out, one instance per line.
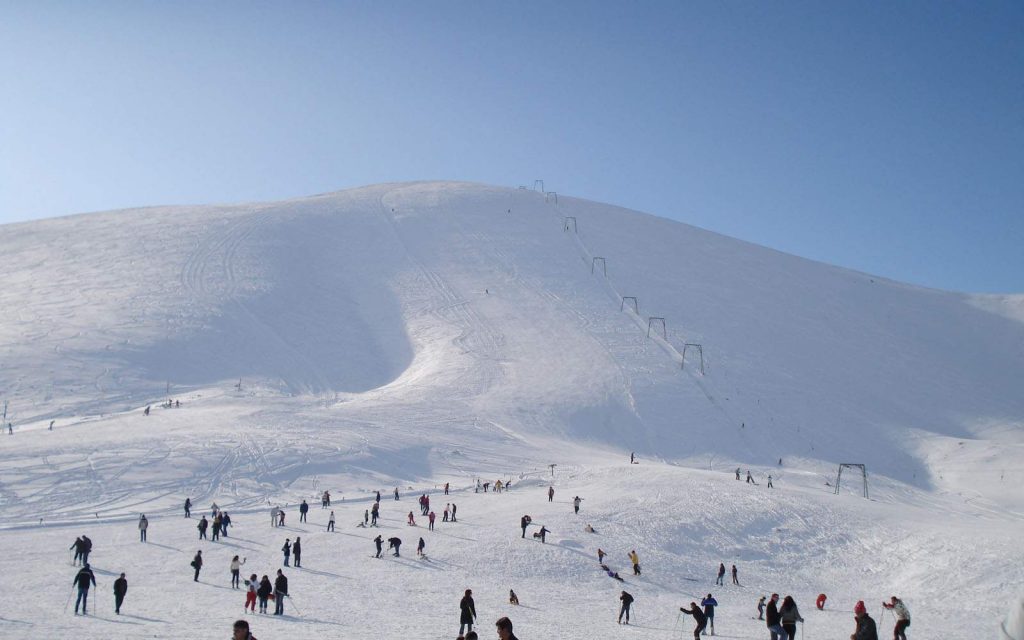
column 635, row 559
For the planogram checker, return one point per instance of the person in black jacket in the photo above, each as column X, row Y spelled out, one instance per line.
column 698, row 617
column 203, row 524
column 504, row 627
column 524, row 522
column 866, row 629
column 240, row 631
column 789, row 615
column 297, row 552
column 197, row 564
column 772, row 618
column 379, row 541
column 78, row 546
column 467, row 612
column 396, row 544
column 627, row 601
column 120, row 588
column 287, row 549
column 82, row 579
column 263, row 593
column 303, row 510
column 280, row 593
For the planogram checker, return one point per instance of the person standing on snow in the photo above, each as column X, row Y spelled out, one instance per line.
column 444, row 516
column 236, row 567
column 635, row 559
column 82, row 579
column 866, row 629
column 297, row 551
column 396, row 493
column 303, row 510
column 143, row 525
column 120, row 589
column 721, row 574
column 446, row 488
column 760, row 608
column 773, row 620
column 737, row 473
column 902, row 617
column 379, row 541
column 750, row 478
column 544, row 534
column 735, row 578
column 467, row 612
column 197, row 564
column 769, row 481
column 523, row 523
column 78, row 546
column 551, row 494
column 789, row 615
column 430, row 520
column 709, row 604
column 280, row 592
column 576, row 504
column 374, row 512
column 420, row 547
column 263, row 592
column 699, row 617
column 86, row 549
column 330, row 522
column 454, row 509
column 287, row 549
column 627, row 601
column 203, row 524
column 251, row 585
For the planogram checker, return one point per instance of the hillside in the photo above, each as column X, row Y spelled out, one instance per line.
column 412, row 334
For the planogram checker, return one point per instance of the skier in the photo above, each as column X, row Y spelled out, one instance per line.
column 396, row 544
column 120, row 589
column 287, row 550
column 297, row 551
column 551, row 494
column 699, row 617
column 769, row 481
column 735, row 577
column 82, row 579
column 790, row 615
column 303, row 510
column 330, row 521
column 143, row 525
column 523, row 523
column 635, row 559
column 412, row 520
column 543, row 533
column 721, row 574
column 446, row 488
column 627, row 600
column 374, row 512
column 504, row 628
column 467, row 612
column 203, row 524
column 709, row 604
column 396, row 493
column 750, row 478
column 866, row 629
column 576, row 504
column 760, row 608
column 280, row 592
column 86, row 549
column 236, row 567
column 263, row 592
column 379, row 542
column 197, row 564
column 250, row 593
column 902, row 617
column 772, row 619
column 78, row 546
column 454, row 508
column 820, row 602
column 430, row 520
column 240, row 631
column 420, row 547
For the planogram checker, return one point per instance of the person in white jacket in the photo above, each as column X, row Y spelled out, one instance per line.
column 902, row 617
column 236, row 566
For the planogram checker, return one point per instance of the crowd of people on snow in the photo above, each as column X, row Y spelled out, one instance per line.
column 781, row 619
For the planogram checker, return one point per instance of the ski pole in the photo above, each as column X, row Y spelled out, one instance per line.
column 297, row 609
column 68, row 603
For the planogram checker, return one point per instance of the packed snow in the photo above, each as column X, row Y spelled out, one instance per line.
column 411, row 335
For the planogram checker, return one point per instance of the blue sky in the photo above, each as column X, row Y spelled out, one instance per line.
column 886, row 137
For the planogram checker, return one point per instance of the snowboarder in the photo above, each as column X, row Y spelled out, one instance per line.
column 280, row 592
column 287, row 550
column 789, row 615
column 420, row 547
column 396, row 544
column 297, row 551
column 760, row 608
column 551, row 494
column 699, row 617
column 902, row 617
column 197, row 564
column 264, row 591
column 735, row 577
column 866, row 629
column 512, row 597
column 188, row 507
column 772, row 619
column 379, row 542
column 721, row 574
column 251, row 585
column 236, row 567
column 709, row 604
column 203, row 524
column 523, row 523
column 430, row 520
column 627, row 601
column 576, row 504
column 120, row 589
column 820, row 602
column 330, row 521
column 769, row 482
column 83, row 578
column 303, row 510
column 635, row 559
column 467, row 612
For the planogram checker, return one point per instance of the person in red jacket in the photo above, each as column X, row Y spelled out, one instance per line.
column 820, row 602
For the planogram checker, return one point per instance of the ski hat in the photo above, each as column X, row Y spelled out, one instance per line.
column 859, row 608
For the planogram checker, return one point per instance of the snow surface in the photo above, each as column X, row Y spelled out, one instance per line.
column 413, row 334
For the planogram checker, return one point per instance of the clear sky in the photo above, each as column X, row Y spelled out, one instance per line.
column 882, row 136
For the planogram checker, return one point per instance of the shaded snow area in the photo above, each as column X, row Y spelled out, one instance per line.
column 415, row 334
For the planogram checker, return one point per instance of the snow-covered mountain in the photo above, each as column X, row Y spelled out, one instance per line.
column 412, row 334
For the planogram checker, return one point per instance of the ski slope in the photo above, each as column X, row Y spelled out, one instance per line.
column 415, row 334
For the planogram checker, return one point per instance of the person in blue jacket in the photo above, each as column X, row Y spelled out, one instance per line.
column 709, row 604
